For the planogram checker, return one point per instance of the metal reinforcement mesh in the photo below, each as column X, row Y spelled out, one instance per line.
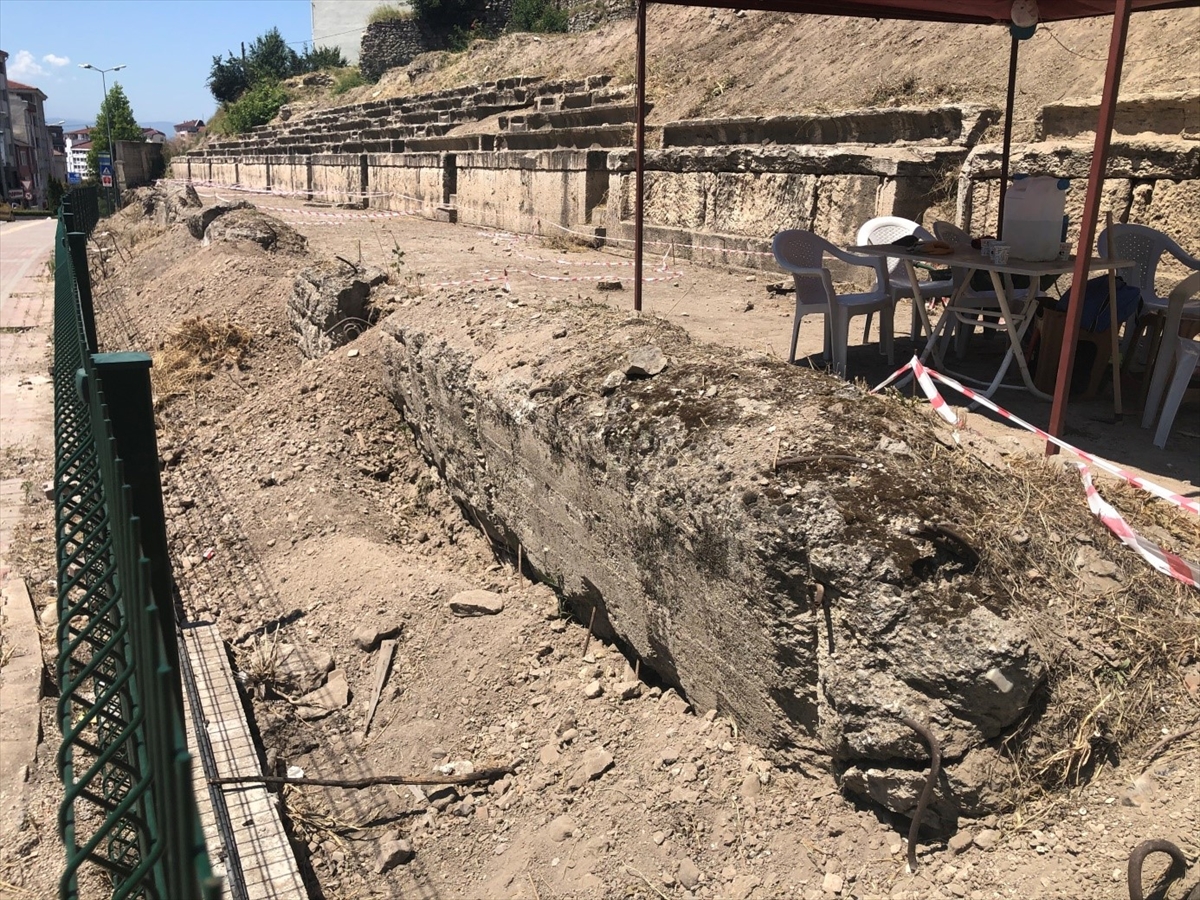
column 128, row 819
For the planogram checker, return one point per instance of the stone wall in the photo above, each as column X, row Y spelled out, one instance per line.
column 340, row 178
column 138, row 162
column 583, row 15
column 1151, row 182
column 1173, row 114
column 387, row 45
column 939, row 125
column 527, row 190
column 408, row 182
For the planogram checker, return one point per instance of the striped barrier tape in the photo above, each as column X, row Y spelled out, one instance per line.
column 1162, row 560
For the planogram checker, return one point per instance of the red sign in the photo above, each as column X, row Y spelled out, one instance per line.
column 106, row 180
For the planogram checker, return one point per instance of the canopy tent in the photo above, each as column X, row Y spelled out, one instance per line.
column 978, row 12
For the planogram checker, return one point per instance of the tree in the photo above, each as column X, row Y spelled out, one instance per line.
column 116, row 115
column 537, row 15
column 270, row 58
column 227, row 79
column 325, row 58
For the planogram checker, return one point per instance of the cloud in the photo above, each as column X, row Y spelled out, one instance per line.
column 56, row 60
column 23, row 66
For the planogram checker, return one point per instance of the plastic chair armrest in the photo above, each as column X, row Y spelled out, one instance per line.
column 1190, row 261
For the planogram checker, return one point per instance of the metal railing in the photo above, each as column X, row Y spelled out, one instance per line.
column 84, row 203
column 128, row 819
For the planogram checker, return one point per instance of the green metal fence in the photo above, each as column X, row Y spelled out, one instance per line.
column 128, row 818
column 84, row 203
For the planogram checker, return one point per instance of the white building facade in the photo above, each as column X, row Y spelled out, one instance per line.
column 341, row 23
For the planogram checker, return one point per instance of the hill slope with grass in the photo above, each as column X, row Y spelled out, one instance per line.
column 707, row 63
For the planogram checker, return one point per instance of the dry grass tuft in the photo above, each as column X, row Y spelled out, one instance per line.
column 258, row 665
column 312, row 820
column 1115, row 634
column 197, row 349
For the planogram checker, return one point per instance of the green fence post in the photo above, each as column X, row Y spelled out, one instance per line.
column 68, row 217
column 126, row 379
column 77, row 241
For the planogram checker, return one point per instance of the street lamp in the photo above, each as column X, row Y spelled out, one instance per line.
column 108, row 123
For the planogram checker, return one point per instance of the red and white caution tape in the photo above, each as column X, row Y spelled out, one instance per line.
column 1163, row 560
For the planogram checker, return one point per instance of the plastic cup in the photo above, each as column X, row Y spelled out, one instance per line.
column 986, row 245
column 1064, row 250
column 1000, row 254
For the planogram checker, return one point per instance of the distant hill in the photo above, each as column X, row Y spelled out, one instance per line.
column 167, row 128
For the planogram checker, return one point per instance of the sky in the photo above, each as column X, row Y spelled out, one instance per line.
column 167, row 45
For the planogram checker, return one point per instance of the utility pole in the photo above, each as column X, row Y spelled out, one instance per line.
column 112, row 148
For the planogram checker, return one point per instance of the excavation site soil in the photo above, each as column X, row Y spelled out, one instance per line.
column 305, row 521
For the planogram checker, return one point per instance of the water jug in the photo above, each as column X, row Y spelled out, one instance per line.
column 1033, row 216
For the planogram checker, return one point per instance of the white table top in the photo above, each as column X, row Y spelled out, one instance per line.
column 976, row 260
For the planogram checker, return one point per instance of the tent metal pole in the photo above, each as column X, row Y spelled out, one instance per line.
column 1008, row 123
column 639, row 155
column 1087, row 224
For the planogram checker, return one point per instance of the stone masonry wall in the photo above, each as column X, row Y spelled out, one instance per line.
column 386, row 45
column 583, row 15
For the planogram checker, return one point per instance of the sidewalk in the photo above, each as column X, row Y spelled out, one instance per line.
column 26, row 455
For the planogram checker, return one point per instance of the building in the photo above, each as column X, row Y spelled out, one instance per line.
column 153, row 136
column 34, row 152
column 190, row 128
column 341, row 23
column 77, row 154
column 8, row 149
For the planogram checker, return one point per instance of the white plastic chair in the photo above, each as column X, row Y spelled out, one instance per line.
column 886, row 230
column 1145, row 246
column 803, row 254
column 1184, row 353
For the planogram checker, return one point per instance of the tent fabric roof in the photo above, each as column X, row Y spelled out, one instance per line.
column 979, row 12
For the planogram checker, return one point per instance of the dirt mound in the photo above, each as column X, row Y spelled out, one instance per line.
column 299, row 506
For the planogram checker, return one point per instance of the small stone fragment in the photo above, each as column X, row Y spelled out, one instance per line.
column 629, row 690
column 324, row 700
column 611, row 382
column 593, row 690
column 466, row 604
column 688, row 874
column 561, row 828
column 392, row 854
column 367, row 637
column 595, row 763
column 987, row 839
column 960, row 841
column 832, row 883
column 645, row 362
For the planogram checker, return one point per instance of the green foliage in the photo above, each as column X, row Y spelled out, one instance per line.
column 448, row 16
column 257, row 106
column 314, row 59
column 116, row 115
column 460, row 38
column 227, row 79
column 270, row 58
column 55, row 191
column 389, row 14
column 543, row 16
column 350, row 78
column 267, row 61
